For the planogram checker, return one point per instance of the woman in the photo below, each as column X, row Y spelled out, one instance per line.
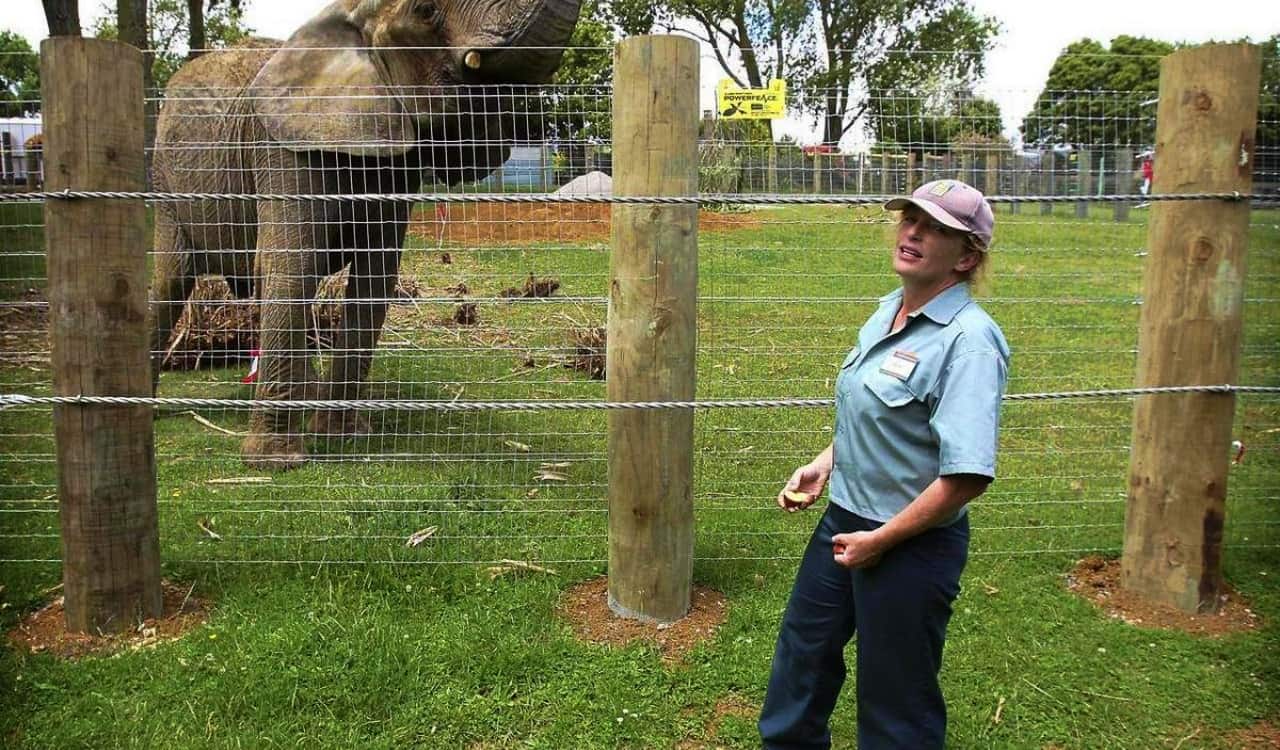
column 917, row 415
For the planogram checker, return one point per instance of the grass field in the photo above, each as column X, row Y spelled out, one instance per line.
column 328, row 631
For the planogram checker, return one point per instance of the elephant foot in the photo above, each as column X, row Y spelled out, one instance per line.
column 340, row 422
column 270, row 452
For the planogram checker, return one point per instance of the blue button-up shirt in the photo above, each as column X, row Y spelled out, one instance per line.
column 918, row 404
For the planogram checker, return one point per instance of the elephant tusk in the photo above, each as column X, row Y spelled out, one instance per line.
column 472, row 60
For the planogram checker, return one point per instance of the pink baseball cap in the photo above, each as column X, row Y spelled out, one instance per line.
column 953, row 204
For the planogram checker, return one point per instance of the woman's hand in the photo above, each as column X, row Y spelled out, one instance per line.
column 804, row 487
column 859, row 549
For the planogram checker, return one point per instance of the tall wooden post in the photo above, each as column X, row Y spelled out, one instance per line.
column 1084, row 188
column 1123, row 183
column 93, row 119
column 1047, row 186
column 817, row 172
column 911, row 173
column 1191, row 327
column 1019, row 180
column 653, row 328
column 993, row 173
column 772, row 178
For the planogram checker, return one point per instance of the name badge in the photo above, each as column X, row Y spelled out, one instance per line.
column 899, row 364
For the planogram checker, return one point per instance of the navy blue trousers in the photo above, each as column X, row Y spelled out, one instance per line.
column 898, row 609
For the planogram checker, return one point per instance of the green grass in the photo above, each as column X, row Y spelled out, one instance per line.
column 401, row 646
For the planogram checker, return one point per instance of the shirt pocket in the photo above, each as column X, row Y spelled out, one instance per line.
column 891, row 391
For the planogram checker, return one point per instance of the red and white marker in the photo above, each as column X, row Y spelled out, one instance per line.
column 252, row 376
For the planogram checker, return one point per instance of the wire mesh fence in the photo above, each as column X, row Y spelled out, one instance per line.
column 483, row 300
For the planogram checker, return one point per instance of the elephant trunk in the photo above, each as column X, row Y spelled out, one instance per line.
column 532, row 52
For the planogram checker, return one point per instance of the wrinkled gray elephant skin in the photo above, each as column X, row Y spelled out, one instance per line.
column 370, row 96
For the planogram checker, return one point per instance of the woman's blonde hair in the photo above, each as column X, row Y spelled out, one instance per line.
column 977, row 276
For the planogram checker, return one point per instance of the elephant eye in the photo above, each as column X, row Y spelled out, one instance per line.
column 428, row 11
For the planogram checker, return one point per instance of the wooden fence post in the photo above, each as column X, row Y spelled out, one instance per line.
column 1123, row 183
column 992, row 159
column 911, row 183
column 817, row 172
column 1191, row 330
column 1019, row 179
column 93, row 118
column 653, row 328
column 1084, row 186
column 772, row 178
column 1047, row 186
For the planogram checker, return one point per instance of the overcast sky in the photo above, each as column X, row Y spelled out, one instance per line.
column 1032, row 36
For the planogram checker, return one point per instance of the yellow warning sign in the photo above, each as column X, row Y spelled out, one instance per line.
column 734, row 103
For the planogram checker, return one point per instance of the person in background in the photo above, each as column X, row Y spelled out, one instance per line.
column 917, row 416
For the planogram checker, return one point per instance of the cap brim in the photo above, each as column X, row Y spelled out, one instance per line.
column 933, row 209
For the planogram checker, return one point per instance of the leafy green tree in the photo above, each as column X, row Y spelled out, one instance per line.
column 768, row 38
column 1098, row 96
column 580, row 104
column 835, row 54
column 169, row 29
column 19, row 76
column 892, row 48
column 754, row 41
column 1268, row 138
column 925, row 124
column 63, row 17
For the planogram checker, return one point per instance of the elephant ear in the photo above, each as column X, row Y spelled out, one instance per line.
column 323, row 91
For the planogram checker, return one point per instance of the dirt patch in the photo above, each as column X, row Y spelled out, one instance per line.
column 1097, row 579
column 24, row 331
column 730, row 706
column 1264, row 735
column 586, row 608
column 514, row 223
column 45, row 631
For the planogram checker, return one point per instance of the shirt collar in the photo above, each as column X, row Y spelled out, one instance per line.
column 942, row 308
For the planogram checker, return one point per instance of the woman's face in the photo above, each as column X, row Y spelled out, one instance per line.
column 928, row 253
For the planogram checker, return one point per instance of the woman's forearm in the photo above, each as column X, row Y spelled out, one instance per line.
column 941, row 500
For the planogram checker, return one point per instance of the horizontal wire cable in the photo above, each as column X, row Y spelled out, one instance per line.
column 704, row 199
column 1113, row 549
column 11, row 400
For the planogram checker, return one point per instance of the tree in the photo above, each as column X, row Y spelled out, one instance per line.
column 769, row 38
column 1268, row 138
column 580, row 106
column 63, row 17
column 197, row 38
column 892, row 47
column 926, row 124
column 168, row 31
column 1096, row 96
column 834, row 52
column 754, row 41
column 19, row 76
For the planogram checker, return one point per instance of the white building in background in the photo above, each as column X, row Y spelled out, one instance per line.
column 15, row 162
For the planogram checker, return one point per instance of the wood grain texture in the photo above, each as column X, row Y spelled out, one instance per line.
column 652, row 331
column 93, row 114
column 1191, row 326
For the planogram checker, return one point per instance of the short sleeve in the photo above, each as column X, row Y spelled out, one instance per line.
column 965, row 417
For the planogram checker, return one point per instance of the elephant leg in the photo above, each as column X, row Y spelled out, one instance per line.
column 172, row 282
column 370, row 284
column 287, row 257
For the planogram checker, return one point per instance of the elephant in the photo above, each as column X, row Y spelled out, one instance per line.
column 368, row 97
